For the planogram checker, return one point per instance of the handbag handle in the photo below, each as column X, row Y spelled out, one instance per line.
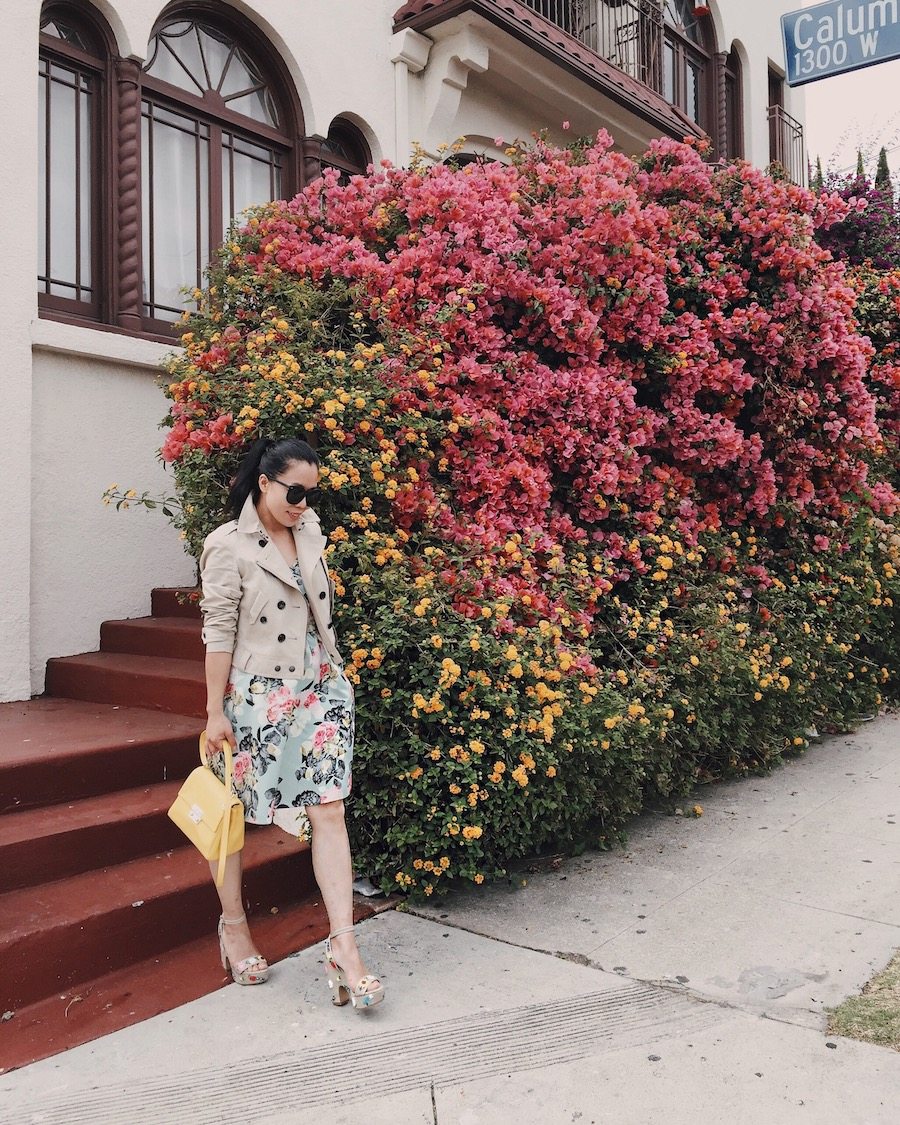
column 229, row 793
column 226, row 750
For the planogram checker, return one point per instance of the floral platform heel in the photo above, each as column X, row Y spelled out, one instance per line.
column 367, row 993
column 252, row 970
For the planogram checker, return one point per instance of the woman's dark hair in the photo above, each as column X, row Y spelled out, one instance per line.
column 266, row 458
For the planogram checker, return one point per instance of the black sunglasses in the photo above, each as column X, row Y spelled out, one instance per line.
column 296, row 493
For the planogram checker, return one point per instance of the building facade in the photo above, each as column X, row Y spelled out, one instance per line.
column 133, row 133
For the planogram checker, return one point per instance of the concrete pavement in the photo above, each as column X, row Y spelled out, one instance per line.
column 683, row 979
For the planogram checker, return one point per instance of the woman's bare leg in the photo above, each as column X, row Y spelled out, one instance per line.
column 333, row 869
column 238, row 942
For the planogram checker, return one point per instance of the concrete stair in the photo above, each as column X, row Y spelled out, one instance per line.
column 151, row 662
column 161, row 682
column 70, row 930
column 173, row 637
column 121, row 997
column 43, row 845
column 58, row 750
column 107, row 913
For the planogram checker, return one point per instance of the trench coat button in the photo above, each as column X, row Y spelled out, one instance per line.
column 292, row 668
column 281, row 605
column 263, row 620
column 322, row 594
column 277, row 667
column 281, row 638
column 263, row 542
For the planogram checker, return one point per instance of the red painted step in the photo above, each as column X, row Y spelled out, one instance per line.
column 158, row 984
column 59, row 934
column 175, row 637
column 44, row 844
column 63, row 750
column 175, row 601
column 138, row 681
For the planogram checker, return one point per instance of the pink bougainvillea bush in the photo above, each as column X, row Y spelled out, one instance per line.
column 878, row 317
column 601, row 457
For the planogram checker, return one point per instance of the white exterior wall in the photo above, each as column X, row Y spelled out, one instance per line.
column 756, row 30
column 96, row 412
column 80, row 405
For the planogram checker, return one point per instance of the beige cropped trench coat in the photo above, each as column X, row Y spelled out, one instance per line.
column 251, row 604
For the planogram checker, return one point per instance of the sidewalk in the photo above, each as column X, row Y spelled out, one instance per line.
column 682, row 981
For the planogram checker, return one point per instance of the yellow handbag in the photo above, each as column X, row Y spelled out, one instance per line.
column 209, row 813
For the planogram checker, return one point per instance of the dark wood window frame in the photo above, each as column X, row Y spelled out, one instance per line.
column 212, row 112
column 786, row 135
column 345, row 148
column 319, row 154
column 118, row 305
column 94, row 66
column 687, row 56
column 732, row 141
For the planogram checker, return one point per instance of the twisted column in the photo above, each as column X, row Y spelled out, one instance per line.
column 720, row 60
column 129, row 304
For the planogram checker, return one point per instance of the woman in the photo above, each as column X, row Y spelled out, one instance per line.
column 276, row 693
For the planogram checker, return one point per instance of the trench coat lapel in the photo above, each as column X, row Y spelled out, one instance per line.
column 272, row 560
column 310, row 555
column 310, row 543
column 269, row 557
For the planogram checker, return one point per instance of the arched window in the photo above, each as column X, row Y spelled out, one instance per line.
column 218, row 135
column 345, row 148
column 460, row 160
column 734, row 116
column 688, row 48
column 72, row 111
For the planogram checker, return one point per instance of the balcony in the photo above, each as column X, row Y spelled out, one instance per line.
column 627, row 33
column 786, row 146
column 615, row 47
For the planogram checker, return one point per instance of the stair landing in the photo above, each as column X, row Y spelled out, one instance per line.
column 55, row 750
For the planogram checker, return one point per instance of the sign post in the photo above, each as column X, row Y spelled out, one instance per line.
column 838, row 36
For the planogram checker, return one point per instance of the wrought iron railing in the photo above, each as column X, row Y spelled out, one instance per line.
column 786, row 144
column 627, row 33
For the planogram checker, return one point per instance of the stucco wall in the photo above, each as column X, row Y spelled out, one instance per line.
column 96, row 409
column 479, row 80
column 18, row 303
column 756, row 28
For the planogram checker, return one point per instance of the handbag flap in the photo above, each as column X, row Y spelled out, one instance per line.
column 203, row 798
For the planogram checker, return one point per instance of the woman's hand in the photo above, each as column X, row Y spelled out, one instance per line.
column 219, row 730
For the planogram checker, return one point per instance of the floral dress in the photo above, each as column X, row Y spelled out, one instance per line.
column 294, row 738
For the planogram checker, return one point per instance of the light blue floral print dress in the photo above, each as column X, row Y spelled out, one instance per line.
column 294, row 738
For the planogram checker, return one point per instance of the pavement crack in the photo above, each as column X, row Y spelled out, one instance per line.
column 476, row 933
column 663, row 985
column 433, row 1104
column 577, row 959
column 868, row 919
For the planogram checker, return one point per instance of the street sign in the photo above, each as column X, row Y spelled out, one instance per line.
column 838, row 36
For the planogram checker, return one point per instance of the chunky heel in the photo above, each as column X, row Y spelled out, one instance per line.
column 252, row 970
column 368, row 992
column 340, row 992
